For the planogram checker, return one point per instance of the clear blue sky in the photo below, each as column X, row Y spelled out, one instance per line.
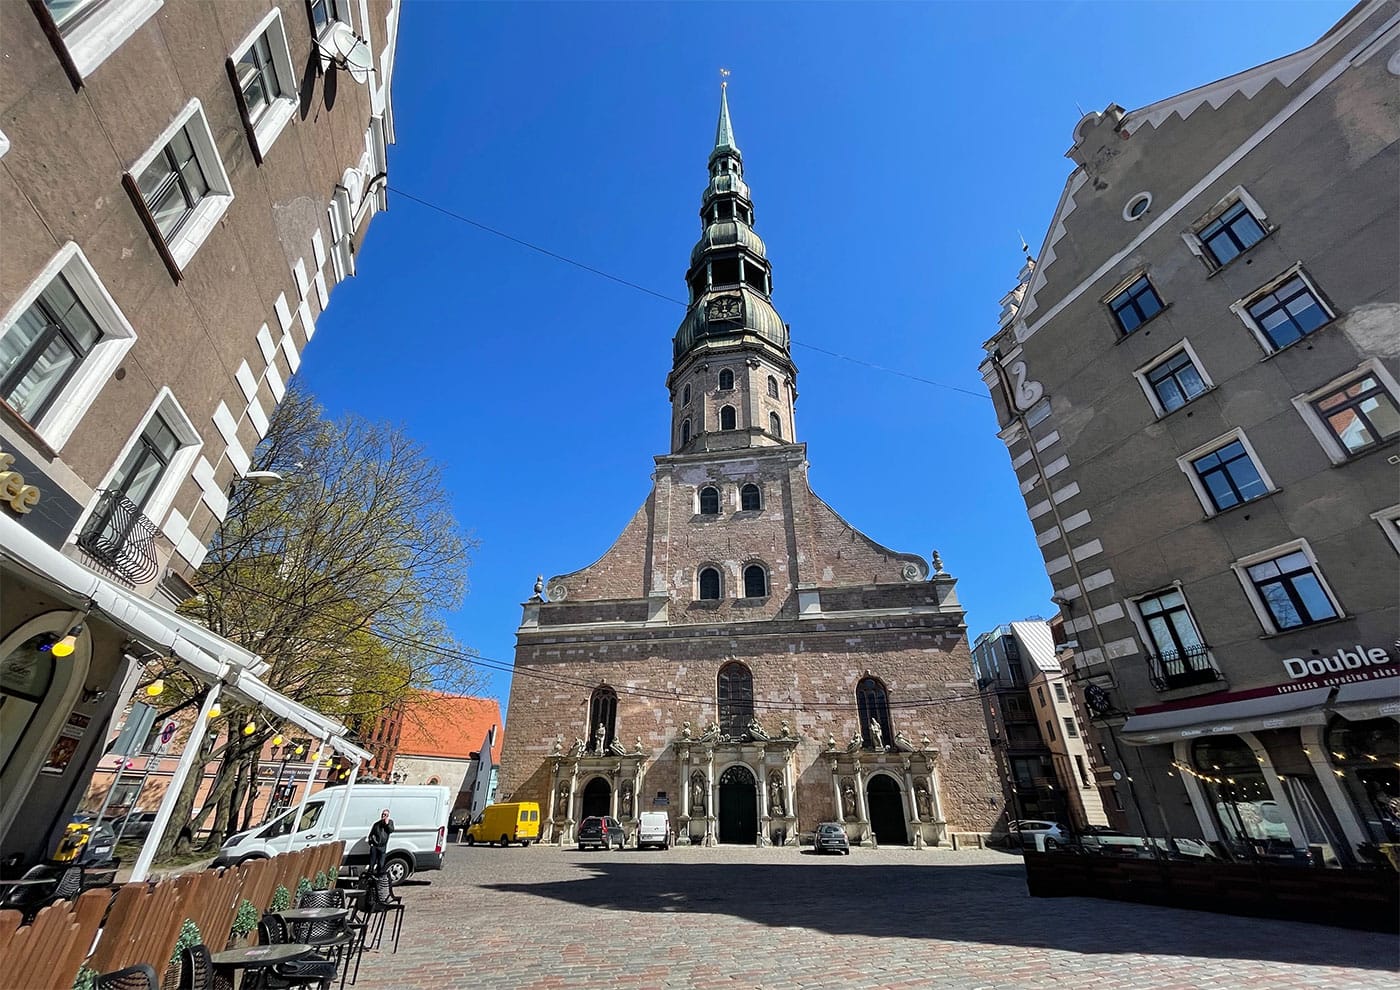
column 893, row 151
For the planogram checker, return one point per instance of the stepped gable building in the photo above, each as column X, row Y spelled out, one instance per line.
column 754, row 664
column 1196, row 387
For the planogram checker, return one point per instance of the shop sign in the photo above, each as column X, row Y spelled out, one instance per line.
column 20, row 497
column 67, row 744
column 1346, row 660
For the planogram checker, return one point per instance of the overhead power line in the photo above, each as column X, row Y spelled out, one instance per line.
column 594, row 270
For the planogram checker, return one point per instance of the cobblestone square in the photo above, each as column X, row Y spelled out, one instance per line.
column 765, row 919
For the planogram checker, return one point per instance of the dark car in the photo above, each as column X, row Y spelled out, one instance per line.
column 100, row 844
column 601, row 832
column 134, row 826
column 831, row 837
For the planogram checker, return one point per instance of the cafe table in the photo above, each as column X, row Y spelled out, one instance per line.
column 254, row 957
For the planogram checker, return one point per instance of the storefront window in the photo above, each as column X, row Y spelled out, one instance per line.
column 25, row 676
column 1249, row 818
column 1366, row 758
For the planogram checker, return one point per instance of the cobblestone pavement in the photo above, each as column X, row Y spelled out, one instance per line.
column 544, row 918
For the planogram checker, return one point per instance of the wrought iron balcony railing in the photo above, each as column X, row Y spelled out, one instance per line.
column 1183, row 668
column 120, row 538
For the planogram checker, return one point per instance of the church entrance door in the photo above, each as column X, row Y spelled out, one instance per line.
column 597, row 799
column 886, row 811
column 738, row 806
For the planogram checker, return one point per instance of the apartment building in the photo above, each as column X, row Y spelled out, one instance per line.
column 1196, row 385
column 182, row 186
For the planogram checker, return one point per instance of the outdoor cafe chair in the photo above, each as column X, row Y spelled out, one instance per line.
column 138, row 977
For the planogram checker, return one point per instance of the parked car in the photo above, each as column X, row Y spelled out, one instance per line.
column 1104, row 839
column 134, row 826
column 459, row 819
column 506, row 823
column 1022, row 834
column 831, row 837
column 601, row 832
column 654, row 829
column 94, row 842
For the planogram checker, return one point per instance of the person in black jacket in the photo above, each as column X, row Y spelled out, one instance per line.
column 379, row 834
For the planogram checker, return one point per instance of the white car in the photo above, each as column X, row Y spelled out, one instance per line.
column 1023, row 833
column 654, row 829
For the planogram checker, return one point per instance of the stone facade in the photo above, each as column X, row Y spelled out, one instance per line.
column 733, row 705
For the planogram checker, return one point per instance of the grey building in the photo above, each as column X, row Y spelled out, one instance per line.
column 1196, row 386
column 182, row 185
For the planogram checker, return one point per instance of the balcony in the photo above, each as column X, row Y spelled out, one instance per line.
column 1183, row 668
column 120, row 538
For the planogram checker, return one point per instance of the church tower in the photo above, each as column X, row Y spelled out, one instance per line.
column 742, row 658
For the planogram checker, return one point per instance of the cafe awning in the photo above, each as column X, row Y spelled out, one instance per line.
column 1250, row 715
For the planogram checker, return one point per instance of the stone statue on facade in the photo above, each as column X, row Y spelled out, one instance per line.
column 855, row 744
column 578, row 747
column 924, row 744
column 638, row 749
column 561, row 808
column 685, row 729
column 600, row 739
column 877, row 736
column 830, row 741
column 922, row 799
column 616, row 748
column 902, row 743
column 776, row 808
column 711, row 732
column 558, row 746
column 937, row 562
column 786, row 731
column 697, row 795
column 757, row 731
column 848, row 799
column 627, row 799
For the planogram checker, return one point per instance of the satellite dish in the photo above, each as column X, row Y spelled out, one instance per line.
column 349, row 51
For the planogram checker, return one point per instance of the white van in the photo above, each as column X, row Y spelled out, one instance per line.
column 654, row 829
column 419, row 814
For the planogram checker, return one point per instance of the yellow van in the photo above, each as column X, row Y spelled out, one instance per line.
column 506, row 823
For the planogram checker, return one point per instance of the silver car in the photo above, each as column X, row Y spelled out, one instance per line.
column 831, row 837
column 1023, row 833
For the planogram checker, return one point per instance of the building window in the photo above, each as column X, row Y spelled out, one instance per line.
column 1389, row 521
column 685, row 395
column 1229, row 476
column 685, row 432
column 1060, row 694
column 709, row 501
column 726, row 380
column 1285, row 312
column 1135, row 305
column 1049, row 730
column 1178, row 656
column 85, row 32
column 772, row 387
column 873, row 705
column 323, row 12
column 726, row 418
column 1174, row 380
column 755, row 581
column 710, row 584
column 180, row 188
column 1288, row 590
column 1231, row 234
column 750, row 498
column 1366, row 757
column 1084, row 778
column 775, row 425
column 734, row 691
column 602, row 719
column 1071, row 730
column 1040, row 696
column 59, row 345
column 261, row 69
column 1359, row 414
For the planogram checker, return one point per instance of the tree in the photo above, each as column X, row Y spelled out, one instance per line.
column 336, row 575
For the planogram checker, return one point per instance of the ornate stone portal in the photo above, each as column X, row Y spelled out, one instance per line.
column 575, row 770
column 913, row 773
column 702, row 763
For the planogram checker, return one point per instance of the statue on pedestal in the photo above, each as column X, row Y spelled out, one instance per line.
column 561, row 806
column 776, row 807
column 697, row 795
column 685, row 729
column 877, row 736
column 848, row 798
column 600, row 739
column 627, row 799
column 922, row 799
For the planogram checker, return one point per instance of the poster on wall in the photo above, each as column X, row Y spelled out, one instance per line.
column 66, row 745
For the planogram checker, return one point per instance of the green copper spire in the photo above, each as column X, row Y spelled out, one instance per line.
column 724, row 131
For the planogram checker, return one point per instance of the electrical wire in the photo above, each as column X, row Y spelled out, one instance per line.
column 529, row 245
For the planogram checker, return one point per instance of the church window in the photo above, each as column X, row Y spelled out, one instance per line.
column 750, row 498
column 602, row 718
column 755, row 581
column 775, row 425
column 709, row 501
column 709, row 584
column 772, row 387
column 726, row 380
column 726, row 418
column 735, row 696
column 756, row 277
column 724, row 271
column 685, row 395
column 873, row 704
column 685, row 432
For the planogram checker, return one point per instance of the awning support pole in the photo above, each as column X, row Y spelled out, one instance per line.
column 310, row 779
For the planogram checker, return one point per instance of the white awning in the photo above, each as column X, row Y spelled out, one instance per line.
column 200, row 651
column 1368, row 699
column 1269, row 712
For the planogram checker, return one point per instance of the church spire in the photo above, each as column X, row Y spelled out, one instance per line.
column 724, row 130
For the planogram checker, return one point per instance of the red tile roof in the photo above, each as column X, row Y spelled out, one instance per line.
column 451, row 725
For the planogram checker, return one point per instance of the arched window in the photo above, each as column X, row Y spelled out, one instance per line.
column 772, row 387
column 873, row 703
column 685, row 395
column 775, row 425
column 726, row 380
column 685, row 432
column 726, row 418
column 709, row 501
column 602, row 719
column 735, row 696
column 755, row 581
column 709, row 584
column 750, row 498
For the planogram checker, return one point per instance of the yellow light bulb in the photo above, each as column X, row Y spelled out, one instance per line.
column 250, row 728
column 154, row 689
column 277, row 740
column 214, row 711
column 300, row 750
column 65, row 646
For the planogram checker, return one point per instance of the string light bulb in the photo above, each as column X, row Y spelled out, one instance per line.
column 250, row 728
column 65, row 646
column 300, row 750
column 277, row 740
column 155, row 688
column 214, row 710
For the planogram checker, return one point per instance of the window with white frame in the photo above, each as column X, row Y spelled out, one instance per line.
column 91, row 30
column 1226, row 472
column 1231, row 230
column 1353, row 413
column 1389, row 521
column 1173, row 379
column 1287, row 588
column 181, row 187
column 261, row 68
column 1285, row 311
column 1178, row 655
column 324, row 13
column 1060, row 694
column 59, row 345
column 1071, row 729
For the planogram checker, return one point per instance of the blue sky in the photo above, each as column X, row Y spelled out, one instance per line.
column 894, row 152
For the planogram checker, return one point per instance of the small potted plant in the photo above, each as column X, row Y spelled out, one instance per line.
column 303, row 888
column 244, row 921
column 86, row 979
column 322, row 882
column 189, row 937
column 281, row 899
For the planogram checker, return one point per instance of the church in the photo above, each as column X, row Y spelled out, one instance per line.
column 742, row 658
